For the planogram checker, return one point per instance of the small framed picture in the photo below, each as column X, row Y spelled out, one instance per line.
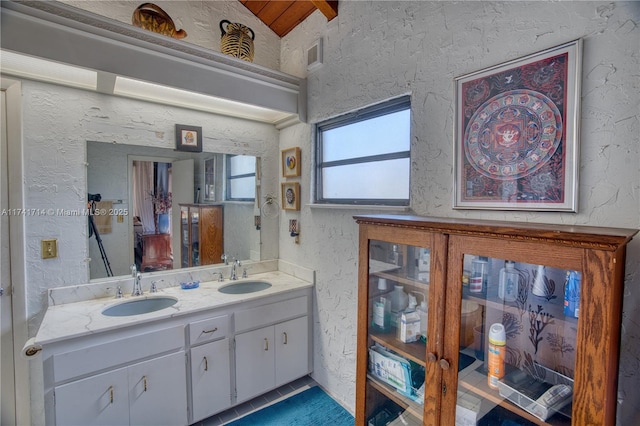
column 188, row 138
column 291, row 162
column 290, row 196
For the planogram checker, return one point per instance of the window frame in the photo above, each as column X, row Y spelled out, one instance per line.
column 228, row 178
column 384, row 108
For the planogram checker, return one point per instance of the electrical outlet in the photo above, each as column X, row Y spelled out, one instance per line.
column 49, row 249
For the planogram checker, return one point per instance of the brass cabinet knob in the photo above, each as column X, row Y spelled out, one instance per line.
column 431, row 357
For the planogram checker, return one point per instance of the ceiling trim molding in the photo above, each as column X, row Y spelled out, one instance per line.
column 62, row 33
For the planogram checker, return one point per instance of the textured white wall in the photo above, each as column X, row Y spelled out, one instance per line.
column 376, row 50
column 201, row 21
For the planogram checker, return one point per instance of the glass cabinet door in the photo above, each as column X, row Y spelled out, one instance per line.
column 184, row 236
column 195, row 236
column 398, row 303
column 518, row 330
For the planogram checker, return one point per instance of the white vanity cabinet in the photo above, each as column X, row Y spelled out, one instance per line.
column 209, row 367
column 102, row 399
column 142, row 394
column 128, row 380
column 180, row 368
column 272, row 355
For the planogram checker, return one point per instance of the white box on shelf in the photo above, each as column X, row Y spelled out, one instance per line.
column 467, row 409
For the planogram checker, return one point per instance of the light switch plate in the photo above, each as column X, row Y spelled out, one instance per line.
column 49, row 249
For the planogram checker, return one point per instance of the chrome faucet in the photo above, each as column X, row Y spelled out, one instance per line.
column 137, row 288
column 234, row 275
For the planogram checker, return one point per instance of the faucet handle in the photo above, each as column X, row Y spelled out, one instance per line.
column 154, row 288
column 244, row 273
column 119, row 293
column 220, row 277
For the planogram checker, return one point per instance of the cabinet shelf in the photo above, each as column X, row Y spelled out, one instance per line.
column 408, row 404
column 415, row 351
column 399, row 277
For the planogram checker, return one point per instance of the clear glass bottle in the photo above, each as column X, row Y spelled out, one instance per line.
column 508, row 288
column 381, row 321
column 399, row 301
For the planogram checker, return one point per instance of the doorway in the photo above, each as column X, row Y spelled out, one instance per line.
column 152, row 208
column 155, row 240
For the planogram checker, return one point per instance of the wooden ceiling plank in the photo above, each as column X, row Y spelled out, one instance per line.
column 293, row 16
column 273, row 10
column 254, row 6
column 329, row 8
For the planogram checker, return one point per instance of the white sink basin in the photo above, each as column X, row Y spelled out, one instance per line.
column 139, row 306
column 244, row 287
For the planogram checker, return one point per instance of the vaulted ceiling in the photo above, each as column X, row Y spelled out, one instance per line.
column 283, row 16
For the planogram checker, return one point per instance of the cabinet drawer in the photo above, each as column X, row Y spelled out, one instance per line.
column 271, row 313
column 109, row 354
column 208, row 330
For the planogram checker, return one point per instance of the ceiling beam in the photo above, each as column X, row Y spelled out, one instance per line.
column 329, row 8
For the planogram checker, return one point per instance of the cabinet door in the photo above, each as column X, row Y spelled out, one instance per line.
column 518, row 332
column 194, row 234
column 211, row 232
column 396, row 291
column 255, row 363
column 210, row 379
column 185, row 238
column 292, row 350
column 97, row 400
column 158, row 391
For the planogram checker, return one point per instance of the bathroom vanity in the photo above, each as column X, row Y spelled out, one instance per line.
column 178, row 365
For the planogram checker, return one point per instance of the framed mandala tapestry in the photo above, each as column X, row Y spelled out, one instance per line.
column 516, row 133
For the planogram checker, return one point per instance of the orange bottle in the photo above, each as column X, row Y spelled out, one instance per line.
column 497, row 348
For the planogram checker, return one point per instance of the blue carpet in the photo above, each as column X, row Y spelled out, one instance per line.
column 308, row 408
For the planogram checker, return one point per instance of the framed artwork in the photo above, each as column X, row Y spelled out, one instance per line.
column 516, row 133
column 188, row 138
column 290, row 196
column 291, row 162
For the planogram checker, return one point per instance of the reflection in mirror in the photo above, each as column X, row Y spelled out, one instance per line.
column 130, row 178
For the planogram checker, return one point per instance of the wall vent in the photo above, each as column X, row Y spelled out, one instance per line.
column 314, row 55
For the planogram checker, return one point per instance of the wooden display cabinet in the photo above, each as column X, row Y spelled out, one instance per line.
column 443, row 378
column 201, row 234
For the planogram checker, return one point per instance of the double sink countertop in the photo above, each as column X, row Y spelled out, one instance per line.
column 82, row 318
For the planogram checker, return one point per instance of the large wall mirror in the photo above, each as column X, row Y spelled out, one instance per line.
column 132, row 181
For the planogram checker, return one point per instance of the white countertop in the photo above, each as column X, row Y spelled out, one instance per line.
column 83, row 318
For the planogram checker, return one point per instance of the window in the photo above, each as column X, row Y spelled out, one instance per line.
column 364, row 157
column 241, row 178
